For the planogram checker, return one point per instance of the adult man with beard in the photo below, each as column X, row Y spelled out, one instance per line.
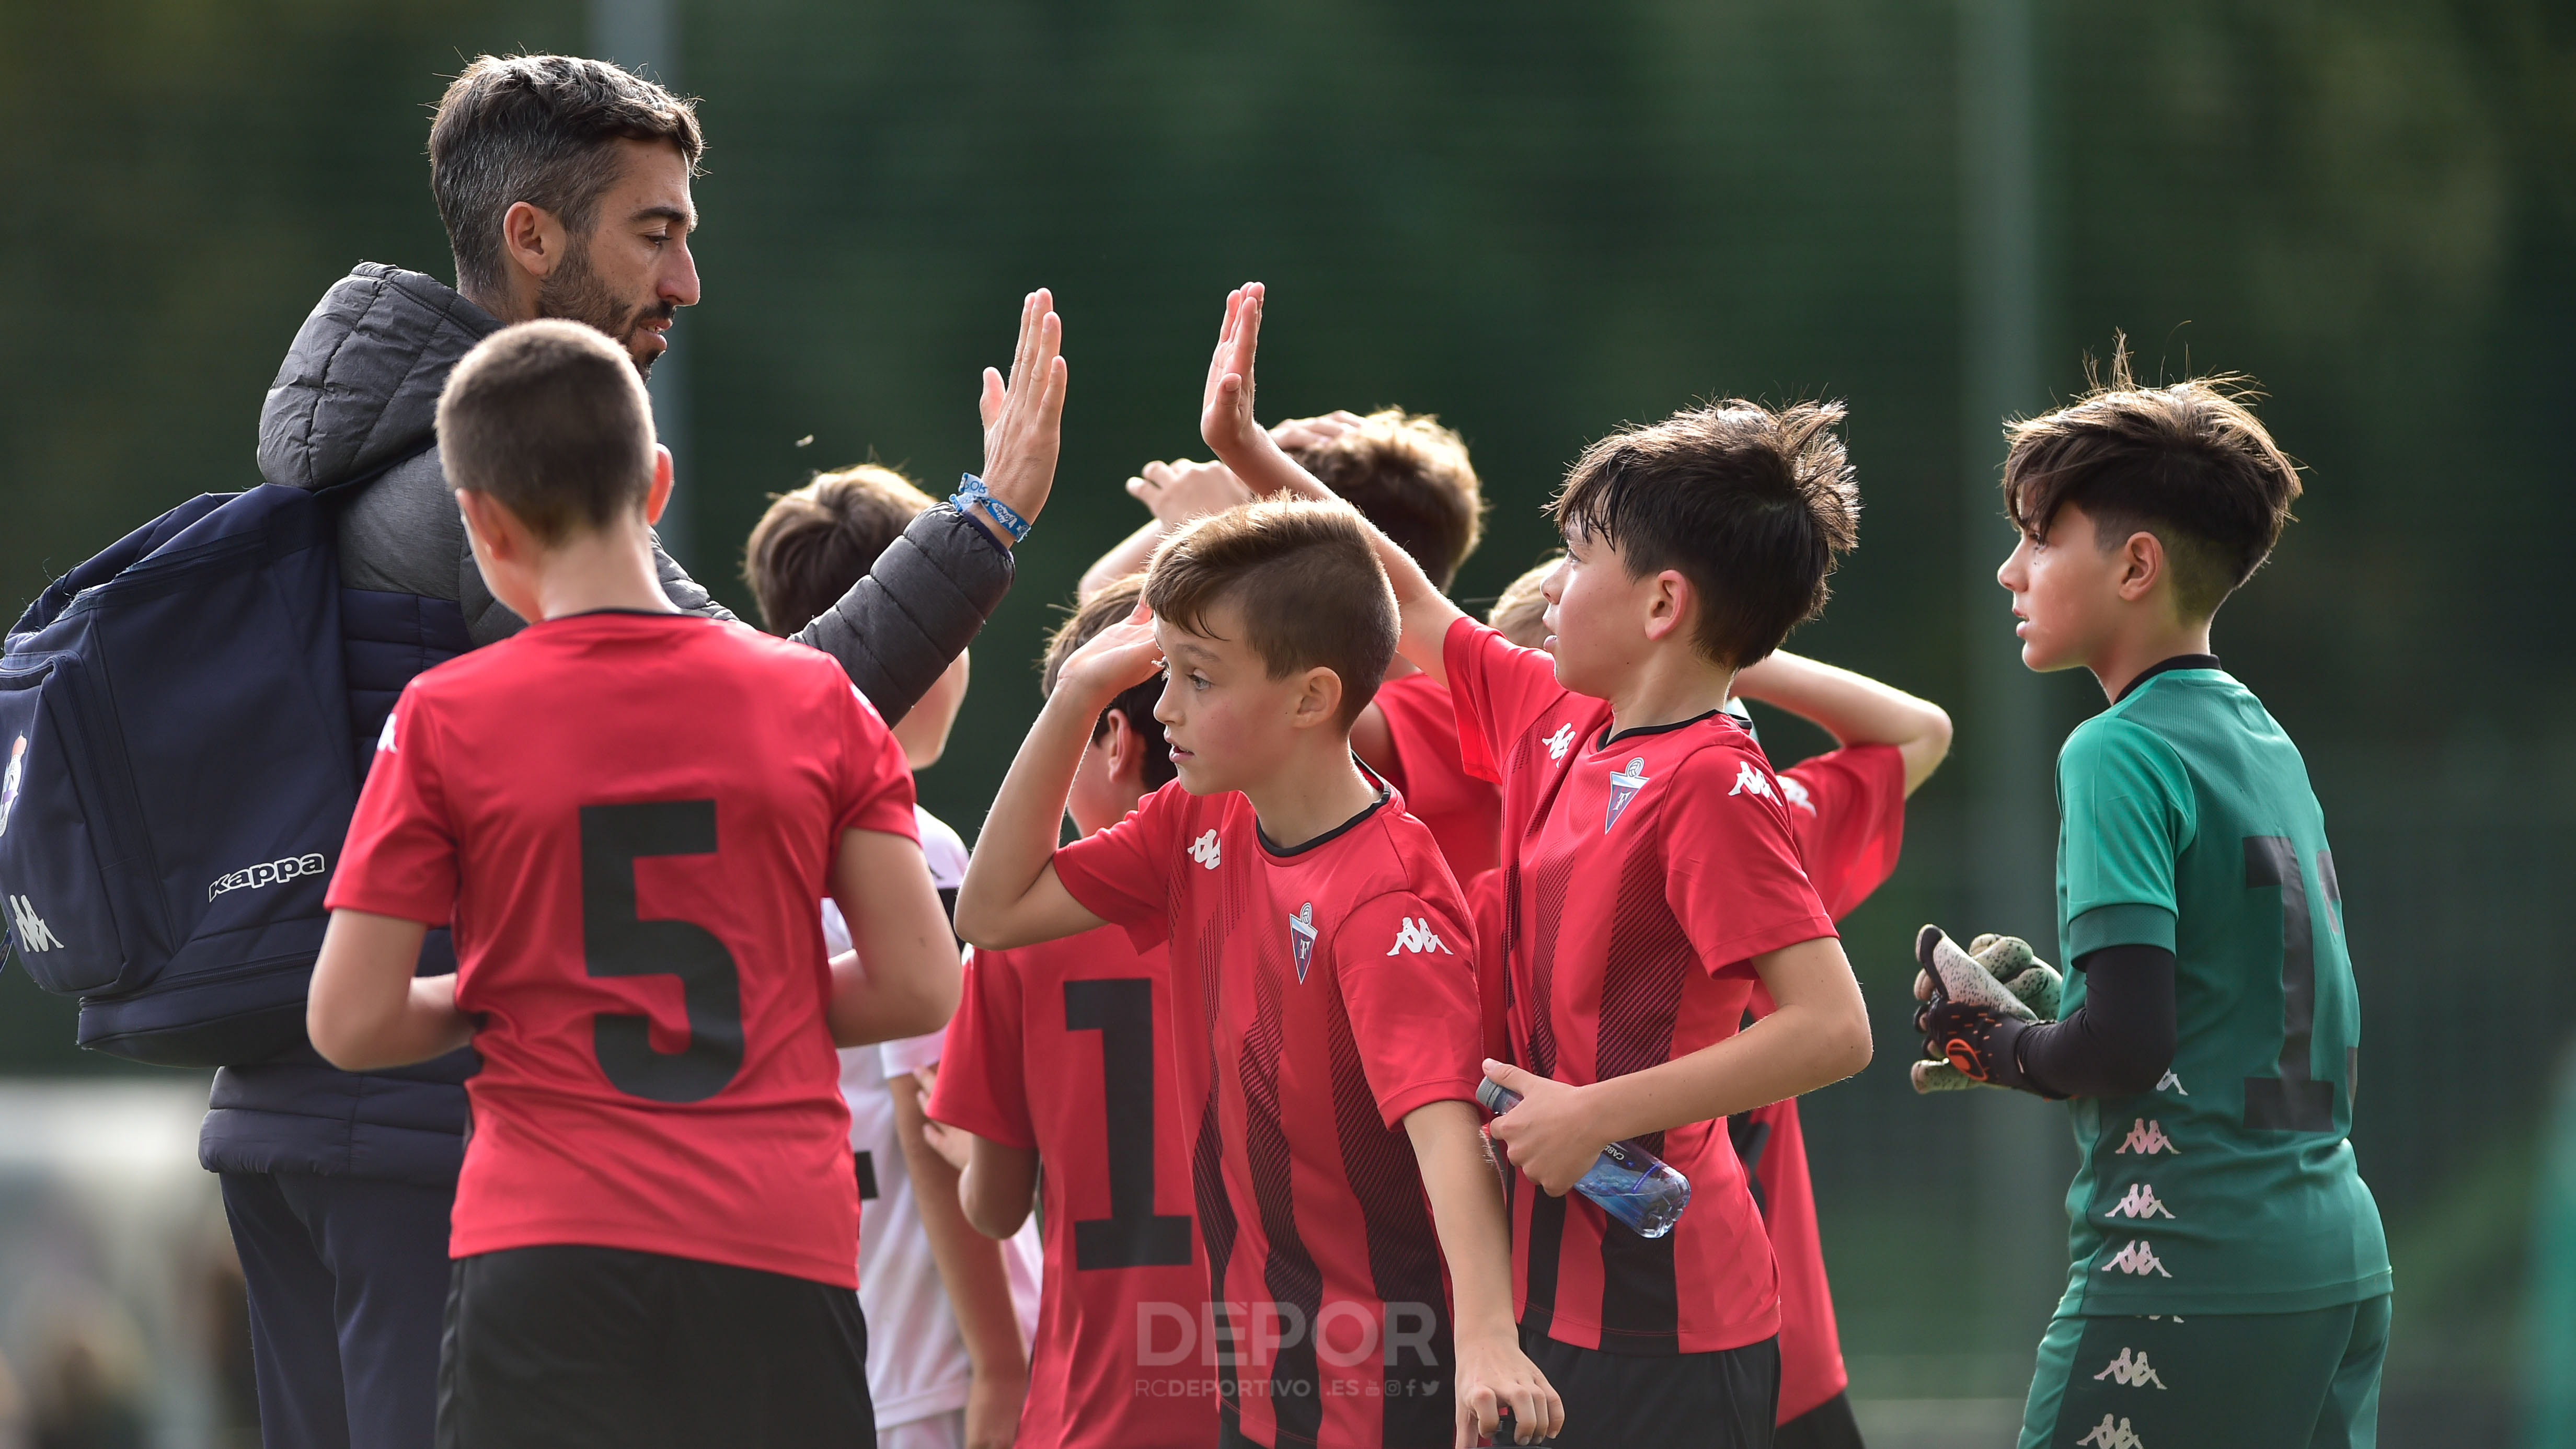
column 564, row 186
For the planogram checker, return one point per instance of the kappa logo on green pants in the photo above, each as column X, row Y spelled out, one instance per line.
column 2211, row 1381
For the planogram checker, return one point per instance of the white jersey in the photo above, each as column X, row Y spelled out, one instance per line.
column 917, row 1361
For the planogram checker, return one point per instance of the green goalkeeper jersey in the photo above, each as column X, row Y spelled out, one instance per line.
column 2187, row 822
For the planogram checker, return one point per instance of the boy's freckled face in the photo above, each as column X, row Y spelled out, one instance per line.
column 1226, row 718
column 2065, row 593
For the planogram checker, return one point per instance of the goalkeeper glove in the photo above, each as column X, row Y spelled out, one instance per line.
column 1970, row 1017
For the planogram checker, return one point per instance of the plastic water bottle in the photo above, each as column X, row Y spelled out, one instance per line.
column 1631, row 1184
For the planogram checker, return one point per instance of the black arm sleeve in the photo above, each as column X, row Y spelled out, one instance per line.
column 898, row 629
column 2119, row 1042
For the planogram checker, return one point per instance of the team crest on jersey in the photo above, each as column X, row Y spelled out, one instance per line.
column 1623, row 788
column 1301, row 938
column 12, row 781
column 1560, row 742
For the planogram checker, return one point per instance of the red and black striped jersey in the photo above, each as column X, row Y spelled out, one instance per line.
column 1643, row 872
column 1336, row 986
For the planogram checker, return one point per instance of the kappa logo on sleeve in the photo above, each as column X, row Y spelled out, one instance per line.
column 32, row 932
column 1416, row 937
column 1797, row 795
column 1301, row 938
column 1558, row 743
column 1750, row 779
column 1624, row 786
column 13, row 780
column 385, row 738
column 1204, row 849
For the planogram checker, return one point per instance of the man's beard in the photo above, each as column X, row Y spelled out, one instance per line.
column 575, row 293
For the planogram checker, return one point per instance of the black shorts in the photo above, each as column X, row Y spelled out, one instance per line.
column 1828, row 1425
column 577, row 1346
column 1721, row 1400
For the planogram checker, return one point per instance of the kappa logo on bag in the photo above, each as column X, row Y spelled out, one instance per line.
column 14, row 779
column 32, row 932
column 268, row 873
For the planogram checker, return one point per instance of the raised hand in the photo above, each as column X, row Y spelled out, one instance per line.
column 1225, row 406
column 1024, row 414
column 1182, row 490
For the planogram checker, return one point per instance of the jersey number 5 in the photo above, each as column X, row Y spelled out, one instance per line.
column 1133, row 1235
column 2293, row 1101
column 616, row 942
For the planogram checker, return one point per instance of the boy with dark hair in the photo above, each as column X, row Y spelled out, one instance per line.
column 1062, row 1074
column 1412, row 480
column 1653, row 879
column 2229, row 1282
column 951, row 1311
column 1311, row 925
column 652, row 1230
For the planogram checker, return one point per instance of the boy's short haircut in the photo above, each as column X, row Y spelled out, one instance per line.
column 1520, row 615
column 550, row 420
column 1751, row 505
column 1113, row 605
column 1410, row 476
column 1304, row 577
column 2187, row 462
column 542, row 129
column 818, row 540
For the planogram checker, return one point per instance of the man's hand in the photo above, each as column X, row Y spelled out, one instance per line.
column 1181, row 490
column 1497, row 1376
column 1024, row 416
column 1549, row 1136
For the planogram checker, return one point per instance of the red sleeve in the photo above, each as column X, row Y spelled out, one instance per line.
column 1485, row 900
column 1407, row 971
column 876, row 789
column 1847, row 809
column 1122, row 873
column 1733, row 876
column 1498, row 688
column 983, row 1086
column 400, row 857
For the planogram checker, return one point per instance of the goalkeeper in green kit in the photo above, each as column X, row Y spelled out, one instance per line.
column 2229, row 1281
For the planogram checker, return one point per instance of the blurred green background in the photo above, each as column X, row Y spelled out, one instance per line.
column 1539, row 221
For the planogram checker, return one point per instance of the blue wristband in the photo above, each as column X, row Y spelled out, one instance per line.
column 971, row 490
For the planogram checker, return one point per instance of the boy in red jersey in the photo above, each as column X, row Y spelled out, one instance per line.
column 1337, row 1163
column 1693, row 546
column 628, row 816
column 1067, row 1054
column 1412, row 480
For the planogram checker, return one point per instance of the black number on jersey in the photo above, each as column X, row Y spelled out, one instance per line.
column 615, row 942
column 1133, row 1235
column 2293, row 1101
column 867, row 1164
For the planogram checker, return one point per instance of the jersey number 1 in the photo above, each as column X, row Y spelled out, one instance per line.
column 2294, row 1101
column 1133, row 1235
column 616, row 942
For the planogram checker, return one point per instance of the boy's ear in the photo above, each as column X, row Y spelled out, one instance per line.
column 1126, row 753
column 658, row 497
column 1668, row 602
column 1319, row 698
column 2141, row 566
column 493, row 525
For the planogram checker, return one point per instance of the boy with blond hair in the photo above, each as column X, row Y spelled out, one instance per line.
column 1692, row 547
column 1320, row 944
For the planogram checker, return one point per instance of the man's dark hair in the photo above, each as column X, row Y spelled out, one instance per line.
column 1749, row 504
column 1113, row 605
column 540, row 129
column 549, row 418
column 2187, row 462
column 817, row 541
column 1410, row 476
column 1305, row 580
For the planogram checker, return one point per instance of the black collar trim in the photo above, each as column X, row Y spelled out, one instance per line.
column 1385, row 792
column 1608, row 739
column 644, row 613
column 2168, row 666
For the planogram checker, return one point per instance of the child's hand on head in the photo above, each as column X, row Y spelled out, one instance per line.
column 1115, row 659
column 1320, row 432
column 1182, row 490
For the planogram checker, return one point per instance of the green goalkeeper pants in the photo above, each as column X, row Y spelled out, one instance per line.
column 2210, row 1381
